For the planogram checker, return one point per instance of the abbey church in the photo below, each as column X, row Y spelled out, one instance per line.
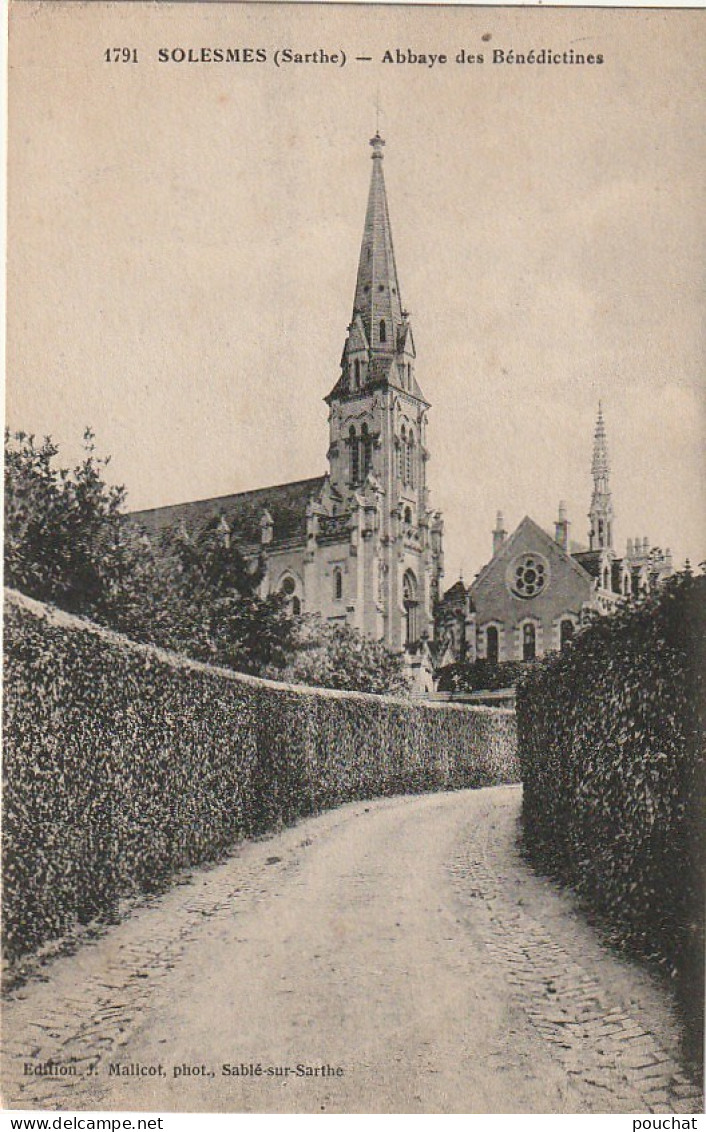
column 362, row 545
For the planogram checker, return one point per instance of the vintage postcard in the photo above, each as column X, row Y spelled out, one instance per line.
column 354, row 530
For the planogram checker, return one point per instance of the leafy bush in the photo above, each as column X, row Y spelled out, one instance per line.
column 337, row 656
column 124, row 764
column 482, row 675
column 610, row 737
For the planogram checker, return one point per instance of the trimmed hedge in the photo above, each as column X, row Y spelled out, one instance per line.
column 611, row 745
column 124, row 764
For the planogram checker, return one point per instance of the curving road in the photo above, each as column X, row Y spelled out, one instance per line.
column 399, row 952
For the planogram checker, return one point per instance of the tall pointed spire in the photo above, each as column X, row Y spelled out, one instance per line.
column 601, row 513
column 377, row 291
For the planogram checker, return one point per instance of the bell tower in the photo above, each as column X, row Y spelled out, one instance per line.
column 378, row 438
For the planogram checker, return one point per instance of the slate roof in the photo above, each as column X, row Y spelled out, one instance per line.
column 286, row 503
column 457, row 590
column 456, row 597
column 590, row 560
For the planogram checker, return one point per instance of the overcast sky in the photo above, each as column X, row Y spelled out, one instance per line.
column 184, row 242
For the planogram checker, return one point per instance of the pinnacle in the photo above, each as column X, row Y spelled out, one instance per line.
column 600, row 464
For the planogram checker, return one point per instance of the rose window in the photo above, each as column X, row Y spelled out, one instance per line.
column 528, row 575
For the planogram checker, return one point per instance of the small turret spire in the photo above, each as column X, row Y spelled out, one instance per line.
column 600, row 466
column 601, row 513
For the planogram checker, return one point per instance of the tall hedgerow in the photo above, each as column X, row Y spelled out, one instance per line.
column 611, row 744
column 124, row 764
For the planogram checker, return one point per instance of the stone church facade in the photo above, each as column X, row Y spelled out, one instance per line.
column 538, row 587
column 361, row 544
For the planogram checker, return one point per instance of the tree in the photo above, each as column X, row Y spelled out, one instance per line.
column 65, row 540
column 337, row 656
column 69, row 542
column 210, row 608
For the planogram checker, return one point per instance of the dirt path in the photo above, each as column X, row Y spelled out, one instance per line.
column 402, row 942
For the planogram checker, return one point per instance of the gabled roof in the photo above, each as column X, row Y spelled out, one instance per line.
column 286, row 504
column 540, row 536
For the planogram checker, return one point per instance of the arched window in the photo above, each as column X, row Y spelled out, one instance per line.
column 337, row 583
column 566, row 633
column 288, row 587
column 366, row 444
column 409, row 596
column 606, row 578
column 492, row 644
column 409, row 375
column 529, row 642
column 410, row 460
column 383, row 330
column 401, row 454
column 408, row 515
column 626, row 585
column 356, row 366
column 354, row 455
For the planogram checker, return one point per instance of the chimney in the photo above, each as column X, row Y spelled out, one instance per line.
column 628, row 552
column 561, row 528
column 499, row 534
